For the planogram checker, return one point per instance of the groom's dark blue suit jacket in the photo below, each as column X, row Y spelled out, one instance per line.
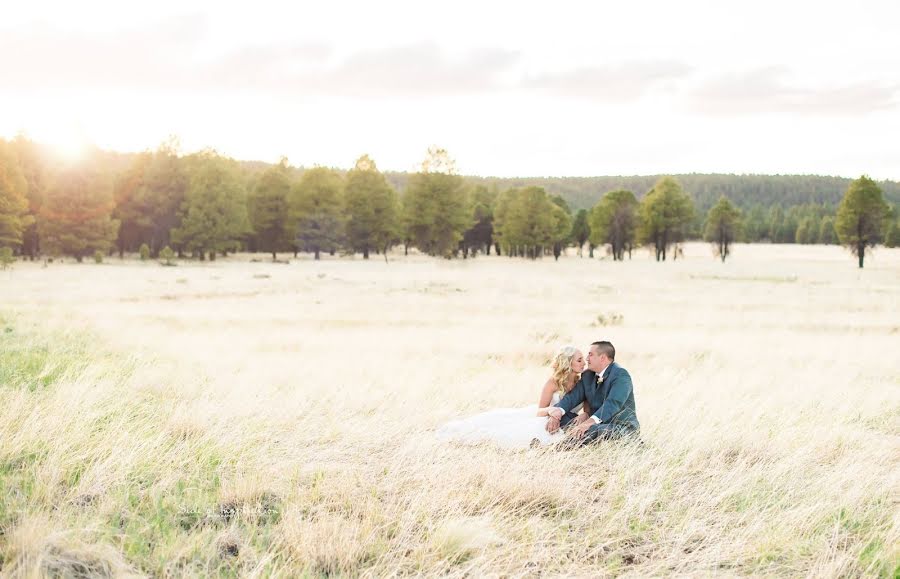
column 613, row 397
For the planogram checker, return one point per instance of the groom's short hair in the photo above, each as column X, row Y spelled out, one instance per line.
column 607, row 348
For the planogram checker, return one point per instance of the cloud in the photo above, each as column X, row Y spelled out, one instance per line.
column 767, row 90
column 412, row 70
column 269, row 68
column 612, row 84
column 42, row 58
column 166, row 56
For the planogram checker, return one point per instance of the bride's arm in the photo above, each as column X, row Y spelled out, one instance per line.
column 546, row 397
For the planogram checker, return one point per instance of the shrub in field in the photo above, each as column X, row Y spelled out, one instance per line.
column 167, row 254
column 6, row 257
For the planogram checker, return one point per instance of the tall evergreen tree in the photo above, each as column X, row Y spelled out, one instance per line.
column 581, row 230
column 614, row 220
column 827, row 234
column 268, row 210
column 562, row 228
column 214, row 211
column 666, row 213
column 14, row 217
column 34, row 169
column 527, row 222
column 755, row 227
column 316, row 205
column 478, row 237
column 409, row 211
column 437, row 205
column 723, row 224
column 807, row 230
column 861, row 217
column 502, row 225
column 132, row 207
column 776, row 224
column 167, row 181
column 892, row 234
column 75, row 217
column 560, row 202
column 148, row 197
column 372, row 209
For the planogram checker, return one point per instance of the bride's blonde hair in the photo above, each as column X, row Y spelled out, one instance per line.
column 562, row 367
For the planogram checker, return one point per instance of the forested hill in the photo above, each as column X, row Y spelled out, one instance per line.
column 743, row 190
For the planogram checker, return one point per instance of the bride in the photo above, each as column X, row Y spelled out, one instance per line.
column 523, row 427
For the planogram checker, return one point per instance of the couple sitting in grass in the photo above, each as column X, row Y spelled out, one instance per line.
column 578, row 405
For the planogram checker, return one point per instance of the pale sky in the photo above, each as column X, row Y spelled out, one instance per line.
column 509, row 88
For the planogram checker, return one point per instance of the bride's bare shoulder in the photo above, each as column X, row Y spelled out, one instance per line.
column 549, row 386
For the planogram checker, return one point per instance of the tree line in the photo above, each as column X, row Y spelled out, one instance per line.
column 666, row 214
column 744, row 191
column 161, row 203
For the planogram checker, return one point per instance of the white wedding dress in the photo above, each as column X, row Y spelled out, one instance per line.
column 506, row 427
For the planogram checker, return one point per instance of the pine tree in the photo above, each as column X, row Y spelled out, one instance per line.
column 723, row 224
column 755, row 227
column 132, row 207
column 478, row 237
column 776, row 224
column 892, row 235
column 861, row 217
column 148, row 197
column 268, row 210
column 581, row 230
column 316, row 202
column 807, row 231
column 75, row 217
column 527, row 222
column 214, row 211
column 502, row 222
column 665, row 213
column 827, row 234
column 372, row 207
column 437, row 209
column 614, row 220
column 14, row 217
column 562, row 227
column 34, row 170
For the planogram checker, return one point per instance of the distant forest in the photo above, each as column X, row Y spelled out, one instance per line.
column 200, row 205
column 745, row 191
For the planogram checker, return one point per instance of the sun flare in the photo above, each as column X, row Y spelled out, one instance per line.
column 70, row 146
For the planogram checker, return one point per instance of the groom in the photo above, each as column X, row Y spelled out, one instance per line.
column 605, row 386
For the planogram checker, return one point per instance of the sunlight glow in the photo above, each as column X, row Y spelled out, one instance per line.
column 70, row 143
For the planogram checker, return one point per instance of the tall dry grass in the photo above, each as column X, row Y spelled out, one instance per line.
column 261, row 419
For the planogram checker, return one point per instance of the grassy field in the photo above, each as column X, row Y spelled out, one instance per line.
column 256, row 418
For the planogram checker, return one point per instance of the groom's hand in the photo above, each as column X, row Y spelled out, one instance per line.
column 581, row 429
